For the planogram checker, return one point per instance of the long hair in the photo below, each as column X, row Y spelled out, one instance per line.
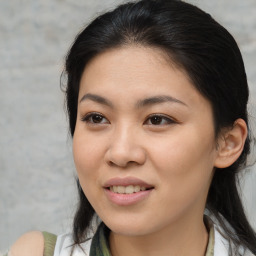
column 207, row 53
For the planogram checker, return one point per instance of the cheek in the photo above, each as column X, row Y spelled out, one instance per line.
column 185, row 161
column 86, row 159
column 86, row 153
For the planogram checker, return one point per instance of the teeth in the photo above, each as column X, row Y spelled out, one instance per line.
column 137, row 188
column 127, row 189
column 120, row 189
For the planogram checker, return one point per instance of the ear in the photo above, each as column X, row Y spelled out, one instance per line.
column 230, row 144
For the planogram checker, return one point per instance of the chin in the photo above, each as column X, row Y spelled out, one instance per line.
column 131, row 227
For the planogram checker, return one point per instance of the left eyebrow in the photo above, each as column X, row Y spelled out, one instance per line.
column 158, row 99
column 96, row 98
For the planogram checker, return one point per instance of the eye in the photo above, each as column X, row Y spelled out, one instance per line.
column 159, row 120
column 95, row 118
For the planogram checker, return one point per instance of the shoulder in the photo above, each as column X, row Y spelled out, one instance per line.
column 29, row 244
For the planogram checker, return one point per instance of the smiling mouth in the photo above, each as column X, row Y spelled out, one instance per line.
column 128, row 189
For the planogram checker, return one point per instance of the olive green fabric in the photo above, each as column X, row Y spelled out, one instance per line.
column 210, row 246
column 100, row 246
column 49, row 243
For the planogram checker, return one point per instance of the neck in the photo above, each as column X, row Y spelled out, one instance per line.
column 183, row 239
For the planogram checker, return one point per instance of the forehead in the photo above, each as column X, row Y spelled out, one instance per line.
column 131, row 63
column 131, row 68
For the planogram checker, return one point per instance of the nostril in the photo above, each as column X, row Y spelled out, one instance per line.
column 122, row 164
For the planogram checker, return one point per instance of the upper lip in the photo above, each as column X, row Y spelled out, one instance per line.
column 117, row 181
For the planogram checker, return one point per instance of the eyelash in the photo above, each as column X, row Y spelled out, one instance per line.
column 168, row 120
column 88, row 119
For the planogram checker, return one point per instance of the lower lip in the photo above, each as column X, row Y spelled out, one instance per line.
column 127, row 199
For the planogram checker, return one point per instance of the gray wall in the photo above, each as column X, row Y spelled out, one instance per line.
column 37, row 190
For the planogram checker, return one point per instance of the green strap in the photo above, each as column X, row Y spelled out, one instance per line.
column 49, row 243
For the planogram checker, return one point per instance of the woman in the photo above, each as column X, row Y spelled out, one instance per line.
column 157, row 103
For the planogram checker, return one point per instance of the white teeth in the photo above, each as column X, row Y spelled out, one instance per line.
column 136, row 188
column 120, row 189
column 127, row 189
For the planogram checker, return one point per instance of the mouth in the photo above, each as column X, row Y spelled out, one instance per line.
column 130, row 189
column 127, row 191
column 127, row 185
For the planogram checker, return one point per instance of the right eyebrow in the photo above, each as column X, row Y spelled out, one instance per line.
column 96, row 98
column 158, row 100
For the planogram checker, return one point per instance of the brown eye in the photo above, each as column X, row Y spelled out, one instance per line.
column 156, row 120
column 95, row 118
column 159, row 120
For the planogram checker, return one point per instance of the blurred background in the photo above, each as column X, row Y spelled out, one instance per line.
column 37, row 190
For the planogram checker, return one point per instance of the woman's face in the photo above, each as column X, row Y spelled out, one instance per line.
column 144, row 144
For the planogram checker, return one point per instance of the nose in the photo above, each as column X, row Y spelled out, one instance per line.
column 125, row 149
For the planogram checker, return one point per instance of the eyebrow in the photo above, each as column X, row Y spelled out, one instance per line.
column 158, row 99
column 140, row 104
column 97, row 99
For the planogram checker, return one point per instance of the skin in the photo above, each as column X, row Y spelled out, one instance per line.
column 29, row 244
column 176, row 155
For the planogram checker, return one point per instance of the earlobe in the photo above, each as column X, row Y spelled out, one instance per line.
column 231, row 144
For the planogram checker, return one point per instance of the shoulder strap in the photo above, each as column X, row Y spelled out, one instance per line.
column 49, row 243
